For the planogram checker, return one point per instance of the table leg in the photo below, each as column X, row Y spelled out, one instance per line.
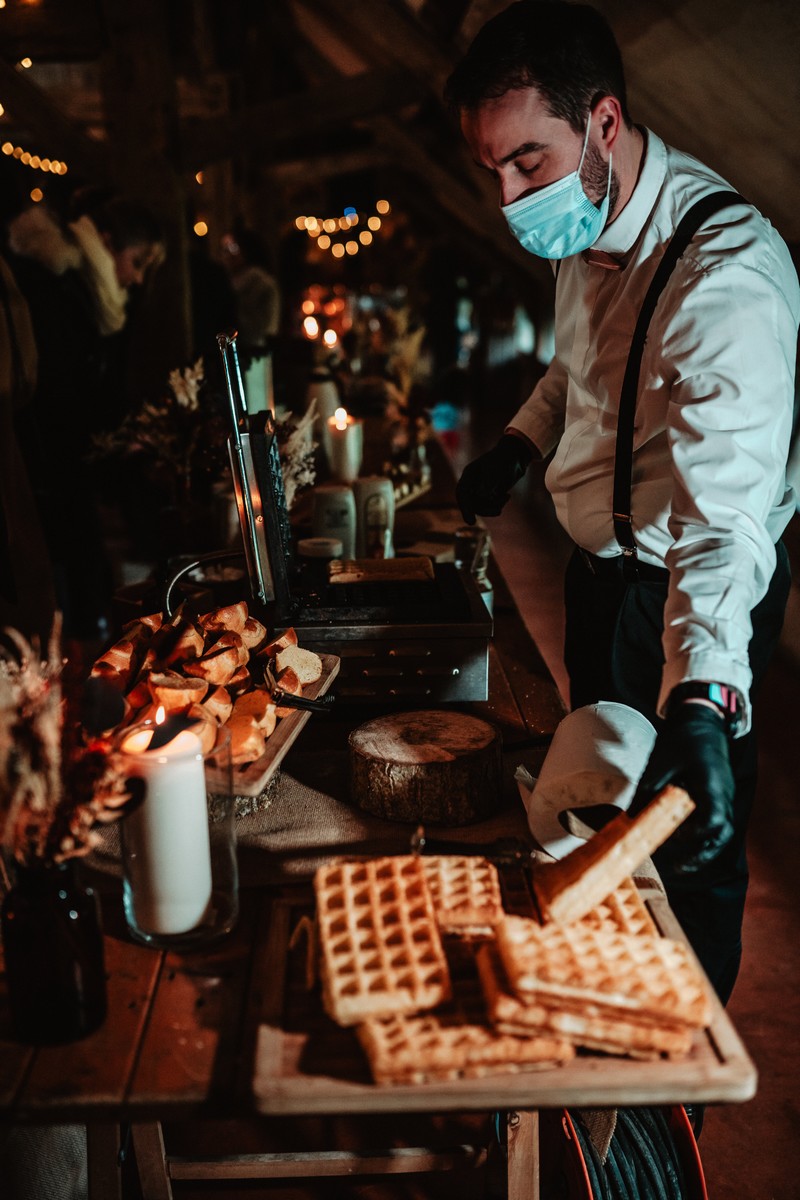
column 102, row 1154
column 522, row 1143
column 151, row 1160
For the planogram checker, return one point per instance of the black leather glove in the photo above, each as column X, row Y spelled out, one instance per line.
column 485, row 483
column 691, row 751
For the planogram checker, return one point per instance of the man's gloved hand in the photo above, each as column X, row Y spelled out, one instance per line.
column 691, row 751
column 485, row 483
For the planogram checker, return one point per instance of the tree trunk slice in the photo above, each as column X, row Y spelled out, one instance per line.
column 433, row 766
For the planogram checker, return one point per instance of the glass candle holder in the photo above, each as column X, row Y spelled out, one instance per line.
column 180, row 875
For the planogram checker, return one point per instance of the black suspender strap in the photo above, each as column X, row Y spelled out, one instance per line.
column 623, row 463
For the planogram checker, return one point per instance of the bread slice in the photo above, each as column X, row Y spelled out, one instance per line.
column 231, row 618
column 287, row 638
column 259, row 705
column 174, row 692
column 247, row 740
column 218, row 702
column 381, row 570
column 253, row 633
column 306, row 665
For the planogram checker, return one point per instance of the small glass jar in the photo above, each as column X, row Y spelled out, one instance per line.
column 53, row 947
column 180, row 872
column 471, row 553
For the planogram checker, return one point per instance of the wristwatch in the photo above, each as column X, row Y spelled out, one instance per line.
column 724, row 698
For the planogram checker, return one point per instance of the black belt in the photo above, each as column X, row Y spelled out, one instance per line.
column 621, row 566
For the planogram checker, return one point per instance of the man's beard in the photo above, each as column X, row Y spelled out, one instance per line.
column 594, row 177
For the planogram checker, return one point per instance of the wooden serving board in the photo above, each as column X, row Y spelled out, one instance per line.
column 306, row 1063
column 251, row 778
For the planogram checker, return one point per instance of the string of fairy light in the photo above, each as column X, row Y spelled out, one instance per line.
column 341, row 235
column 53, row 166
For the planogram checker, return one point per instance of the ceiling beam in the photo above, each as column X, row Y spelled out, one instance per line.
column 383, row 31
column 262, row 128
column 298, row 171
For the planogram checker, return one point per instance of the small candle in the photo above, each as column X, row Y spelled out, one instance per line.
column 166, row 847
column 345, row 445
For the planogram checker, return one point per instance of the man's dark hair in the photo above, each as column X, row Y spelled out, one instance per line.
column 566, row 51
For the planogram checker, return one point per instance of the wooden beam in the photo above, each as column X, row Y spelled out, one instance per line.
column 59, row 138
column 476, row 16
column 387, row 32
column 297, row 171
column 262, row 128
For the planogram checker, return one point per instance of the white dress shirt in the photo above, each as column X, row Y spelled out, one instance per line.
column 713, row 414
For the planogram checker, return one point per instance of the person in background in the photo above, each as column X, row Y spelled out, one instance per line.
column 27, row 595
column 258, row 296
column 678, row 618
column 76, row 278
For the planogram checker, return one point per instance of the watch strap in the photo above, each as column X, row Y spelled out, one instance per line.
column 723, row 697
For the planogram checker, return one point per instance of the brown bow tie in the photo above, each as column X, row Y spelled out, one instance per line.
column 599, row 258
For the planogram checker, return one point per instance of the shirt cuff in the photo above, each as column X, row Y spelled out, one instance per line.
column 523, row 437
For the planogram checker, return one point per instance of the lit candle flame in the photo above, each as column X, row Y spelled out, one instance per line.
column 330, row 337
column 161, row 715
column 341, row 418
column 311, row 327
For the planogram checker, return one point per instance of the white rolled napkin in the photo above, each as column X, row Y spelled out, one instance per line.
column 596, row 757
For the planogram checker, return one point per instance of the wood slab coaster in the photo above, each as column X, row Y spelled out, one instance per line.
column 430, row 766
column 569, row 889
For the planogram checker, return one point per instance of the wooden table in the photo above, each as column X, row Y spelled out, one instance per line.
column 227, row 1031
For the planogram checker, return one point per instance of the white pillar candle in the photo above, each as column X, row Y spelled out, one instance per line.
column 345, row 444
column 167, row 853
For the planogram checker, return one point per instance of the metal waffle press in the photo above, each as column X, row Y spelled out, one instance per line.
column 401, row 639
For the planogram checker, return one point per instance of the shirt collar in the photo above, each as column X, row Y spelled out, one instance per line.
column 620, row 235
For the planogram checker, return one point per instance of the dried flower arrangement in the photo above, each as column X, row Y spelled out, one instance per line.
column 55, row 789
column 296, row 447
column 184, row 436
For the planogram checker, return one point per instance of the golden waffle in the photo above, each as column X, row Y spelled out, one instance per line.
column 446, row 1046
column 466, row 893
column 569, row 889
column 381, row 952
column 623, row 910
column 610, row 1033
column 632, row 973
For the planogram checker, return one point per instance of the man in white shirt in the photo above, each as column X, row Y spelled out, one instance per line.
column 674, row 604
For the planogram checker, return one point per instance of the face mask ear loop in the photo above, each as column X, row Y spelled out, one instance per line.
column 585, row 144
column 583, row 156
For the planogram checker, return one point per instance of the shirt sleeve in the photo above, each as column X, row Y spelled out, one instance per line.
column 541, row 417
column 729, row 345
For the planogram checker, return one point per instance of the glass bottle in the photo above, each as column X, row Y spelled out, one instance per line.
column 53, row 948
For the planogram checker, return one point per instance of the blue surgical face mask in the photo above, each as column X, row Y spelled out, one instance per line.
column 560, row 219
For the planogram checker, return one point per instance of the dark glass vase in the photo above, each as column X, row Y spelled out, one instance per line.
column 53, row 949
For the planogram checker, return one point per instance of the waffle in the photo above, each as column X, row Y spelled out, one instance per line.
column 381, row 952
column 623, row 910
column 441, row 1046
column 569, row 889
column 574, row 965
column 593, row 1030
column 465, row 891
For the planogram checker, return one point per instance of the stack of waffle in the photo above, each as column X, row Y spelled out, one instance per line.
column 399, row 963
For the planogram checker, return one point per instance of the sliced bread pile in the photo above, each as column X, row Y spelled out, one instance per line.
column 218, row 668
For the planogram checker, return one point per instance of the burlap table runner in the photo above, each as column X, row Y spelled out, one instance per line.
column 306, row 825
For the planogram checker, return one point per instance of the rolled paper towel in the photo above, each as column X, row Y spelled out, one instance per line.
column 596, row 757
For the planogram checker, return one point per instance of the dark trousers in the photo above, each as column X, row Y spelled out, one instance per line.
column 613, row 651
